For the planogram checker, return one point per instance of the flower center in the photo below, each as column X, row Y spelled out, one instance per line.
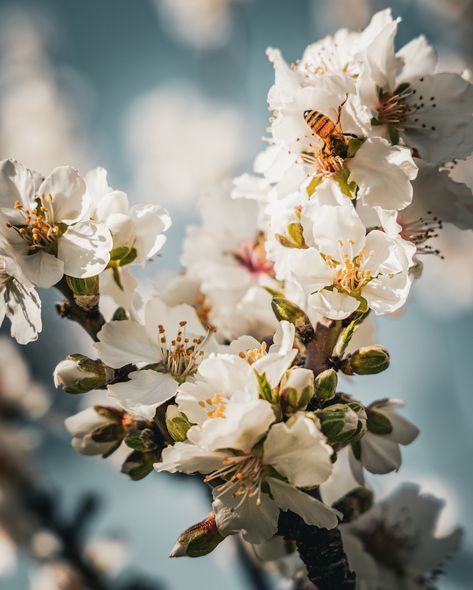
column 243, row 476
column 182, row 355
column 39, row 229
column 349, row 275
column 252, row 256
column 215, row 406
column 420, row 231
column 392, row 106
column 388, row 546
column 254, row 354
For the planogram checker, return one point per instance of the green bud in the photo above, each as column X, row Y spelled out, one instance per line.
column 86, row 291
column 297, row 389
column 368, row 360
column 177, row 424
column 326, row 385
column 286, row 310
column 79, row 374
column 198, row 540
column 342, row 423
column 108, row 433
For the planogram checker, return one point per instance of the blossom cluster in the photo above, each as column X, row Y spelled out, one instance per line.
column 231, row 373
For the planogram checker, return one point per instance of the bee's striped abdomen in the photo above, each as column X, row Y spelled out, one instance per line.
column 319, row 124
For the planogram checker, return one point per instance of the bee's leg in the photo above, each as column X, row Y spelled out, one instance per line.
column 351, row 135
column 340, row 108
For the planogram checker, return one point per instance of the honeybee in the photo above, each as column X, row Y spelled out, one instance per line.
column 334, row 140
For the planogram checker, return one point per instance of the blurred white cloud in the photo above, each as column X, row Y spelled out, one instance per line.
column 330, row 16
column 199, row 23
column 181, row 143
column 39, row 123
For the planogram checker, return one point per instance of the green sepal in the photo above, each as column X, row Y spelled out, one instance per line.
column 378, row 423
column 141, row 440
column 348, row 188
column 265, row 389
column 108, row 433
column 120, row 315
column 137, row 465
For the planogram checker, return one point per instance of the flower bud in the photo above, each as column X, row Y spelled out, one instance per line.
column 297, row 390
column 86, row 291
column 96, row 431
column 355, row 503
column 286, row 310
column 326, row 385
column 198, row 540
column 368, row 360
column 343, row 423
column 80, row 374
column 177, row 424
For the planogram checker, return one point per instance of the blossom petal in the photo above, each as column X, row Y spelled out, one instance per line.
column 241, row 427
column 299, row 452
column 42, row 269
column 387, row 293
column 145, row 392
column 383, row 174
column 313, row 511
column 16, row 184
column 68, row 190
column 24, row 311
column 333, row 304
column 188, row 458
column 85, row 249
column 152, row 221
column 379, row 454
column 124, row 342
column 256, row 523
column 441, row 127
column 338, row 230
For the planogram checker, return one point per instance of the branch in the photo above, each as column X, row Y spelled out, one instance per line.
column 322, row 552
column 90, row 319
column 320, row 349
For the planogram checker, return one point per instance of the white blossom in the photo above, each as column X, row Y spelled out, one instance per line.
column 138, row 230
column 166, row 349
column 49, row 226
column 405, row 525
column 226, row 256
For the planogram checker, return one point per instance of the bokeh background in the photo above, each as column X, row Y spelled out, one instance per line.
column 170, row 96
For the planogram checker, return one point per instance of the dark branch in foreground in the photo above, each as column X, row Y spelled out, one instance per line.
column 321, row 550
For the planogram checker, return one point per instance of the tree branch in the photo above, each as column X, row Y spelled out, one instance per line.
column 90, row 319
